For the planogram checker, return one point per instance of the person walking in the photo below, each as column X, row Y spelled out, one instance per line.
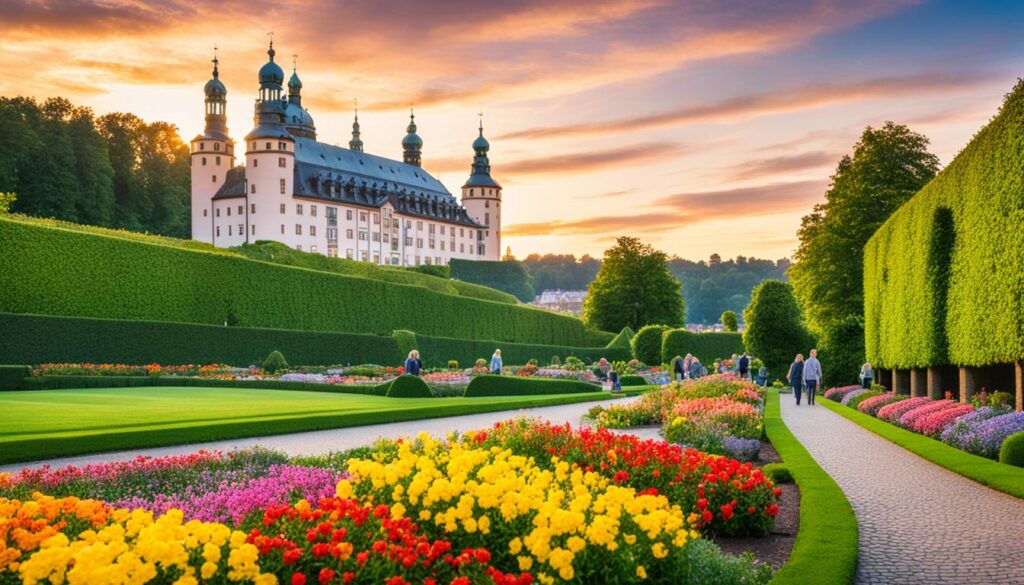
column 613, row 377
column 744, row 366
column 680, row 367
column 413, row 365
column 496, row 362
column 867, row 376
column 696, row 369
column 795, row 377
column 812, row 376
column 762, row 375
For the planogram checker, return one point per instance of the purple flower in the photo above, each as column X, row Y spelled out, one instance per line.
column 740, row 448
column 963, row 433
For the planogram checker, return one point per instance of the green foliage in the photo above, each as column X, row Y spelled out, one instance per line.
column 633, row 381
column 633, row 288
column 775, row 329
column 560, row 271
column 505, row 275
column 888, row 165
column 646, row 343
column 856, row 400
column 73, row 382
column 1000, row 399
column 278, row 253
column 556, row 361
column 778, row 473
column 574, row 364
column 515, row 386
column 406, row 342
column 36, row 339
column 841, row 351
column 70, row 272
column 436, row 351
column 274, row 363
column 622, row 339
column 706, row 346
column 407, row 387
column 6, row 200
column 1012, row 451
column 453, row 364
column 729, row 321
column 13, row 377
column 942, row 276
column 438, row 270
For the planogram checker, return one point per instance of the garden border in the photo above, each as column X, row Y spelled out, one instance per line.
column 29, row 450
column 998, row 476
column 826, row 544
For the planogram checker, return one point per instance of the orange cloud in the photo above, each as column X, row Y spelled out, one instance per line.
column 779, row 165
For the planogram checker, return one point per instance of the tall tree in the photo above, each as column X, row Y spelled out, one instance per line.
column 888, row 165
column 633, row 288
column 729, row 321
column 775, row 328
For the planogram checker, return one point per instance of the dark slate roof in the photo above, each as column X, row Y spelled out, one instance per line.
column 367, row 167
column 234, row 185
column 481, row 180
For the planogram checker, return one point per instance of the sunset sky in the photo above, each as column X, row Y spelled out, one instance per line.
column 700, row 126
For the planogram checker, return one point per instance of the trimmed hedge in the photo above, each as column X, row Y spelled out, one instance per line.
column 706, row 346
column 13, row 377
column 77, row 273
column 1012, row 450
column 481, row 386
column 622, row 339
column 633, row 381
column 69, row 382
column 407, row 387
column 942, row 277
column 646, row 344
column 436, row 351
column 505, row 275
column 36, row 339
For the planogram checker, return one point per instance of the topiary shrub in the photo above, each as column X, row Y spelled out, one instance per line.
column 778, row 473
column 274, row 363
column 622, row 339
column 633, row 381
column 408, row 387
column 1012, row 451
column 646, row 343
column 488, row 385
column 13, row 377
column 556, row 361
column 453, row 364
column 998, row 399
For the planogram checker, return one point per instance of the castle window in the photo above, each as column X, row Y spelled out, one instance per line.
column 376, row 236
column 281, row 162
column 419, row 226
column 312, row 230
column 204, row 213
column 442, row 245
column 470, row 192
column 229, row 229
column 213, row 179
column 282, row 146
column 298, row 229
column 408, row 241
column 282, row 228
column 387, row 238
column 241, row 210
column 229, row 211
column 462, row 248
column 419, row 242
column 202, row 146
column 363, row 256
column 252, row 208
column 204, row 161
column 218, row 231
column 487, row 218
column 216, row 145
column 298, row 208
column 255, row 162
column 376, row 219
column 282, row 187
column 451, row 245
column 362, row 235
column 442, row 230
column 362, row 216
column 487, row 204
column 282, row 207
column 218, row 212
column 218, row 161
column 312, row 210
column 241, row 229
column 268, row 146
column 252, row 188
column 348, row 214
column 348, row 234
column 252, row 229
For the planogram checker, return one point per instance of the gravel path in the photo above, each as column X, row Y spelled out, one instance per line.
column 318, row 442
column 920, row 524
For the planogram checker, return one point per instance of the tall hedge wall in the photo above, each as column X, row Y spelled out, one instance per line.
column 36, row 339
column 436, row 351
column 706, row 346
column 943, row 276
column 507, row 275
column 65, row 272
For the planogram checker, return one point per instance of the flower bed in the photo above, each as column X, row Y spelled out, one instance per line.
column 908, row 419
column 933, row 424
column 837, row 394
column 845, row 400
column 893, row 412
column 874, row 404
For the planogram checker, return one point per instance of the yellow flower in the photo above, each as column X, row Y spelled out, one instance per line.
column 344, row 489
column 659, row 551
column 641, row 572
column 515, row 545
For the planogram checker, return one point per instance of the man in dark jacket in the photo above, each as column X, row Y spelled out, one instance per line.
column 679, row 368
column 744, row 366
column 796, row 376
column 413, row 363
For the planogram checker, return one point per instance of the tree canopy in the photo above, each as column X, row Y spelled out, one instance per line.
column 633, row 288
column 888, row 165
column 775, row 328
column 729, row 321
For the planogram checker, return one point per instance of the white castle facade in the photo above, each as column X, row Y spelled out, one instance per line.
column 341, row 202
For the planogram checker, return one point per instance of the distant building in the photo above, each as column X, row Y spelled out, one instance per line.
column 564, row 301
column 331, row 200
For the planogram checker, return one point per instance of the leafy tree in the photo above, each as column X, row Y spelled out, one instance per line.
column 888, row 165
column 275, row 362
column 6, row 200
column 633, row 288
column 729, row 321
column 775, row 328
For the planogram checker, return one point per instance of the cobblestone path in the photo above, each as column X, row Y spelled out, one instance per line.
column 920, row 524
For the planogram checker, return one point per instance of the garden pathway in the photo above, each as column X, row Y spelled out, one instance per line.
column 920, row 524
column 319, row 442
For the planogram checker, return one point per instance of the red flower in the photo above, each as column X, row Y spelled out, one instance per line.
column 325, row 576
column 298, row 579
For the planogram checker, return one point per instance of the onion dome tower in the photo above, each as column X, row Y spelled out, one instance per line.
column 270, row 107
column 412, row 144
column 213, row 155
column 296, row 119
column 356, row 143
column 216, row 104
column 481, row 196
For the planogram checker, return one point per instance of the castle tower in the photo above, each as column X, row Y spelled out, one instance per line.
column 412, row 144
column 213, row 154
column 356, row 143
column 481, row 196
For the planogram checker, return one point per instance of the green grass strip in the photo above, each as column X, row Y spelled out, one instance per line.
column 34, row 449
column 998, row 476
column 825, row 550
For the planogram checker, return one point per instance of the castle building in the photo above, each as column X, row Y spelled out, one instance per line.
column 320, row 198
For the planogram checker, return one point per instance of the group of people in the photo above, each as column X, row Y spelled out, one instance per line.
column 690, row 368
column 805, row 376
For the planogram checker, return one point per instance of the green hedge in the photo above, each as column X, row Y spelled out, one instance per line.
column 36, row 339
column 646, row 344
column 506, row 275
column 622, row 339
column 706, row 346
column 68, row 382
column 76, row 273
column 436, row 351
column 13, row 377
column 481, row 386
column 633, row 381
column 942, row 277
column 407, row 387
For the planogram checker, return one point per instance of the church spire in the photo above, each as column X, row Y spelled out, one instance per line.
column 412, row 144
column 480, row 173
column 294, row 84
column 356, row 143
column 216, row 102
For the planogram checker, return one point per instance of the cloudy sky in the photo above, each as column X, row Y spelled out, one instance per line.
column 699, row 125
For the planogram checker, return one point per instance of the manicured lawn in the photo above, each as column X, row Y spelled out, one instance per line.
column 44, row 424
column 826, row 546
column 999, row 476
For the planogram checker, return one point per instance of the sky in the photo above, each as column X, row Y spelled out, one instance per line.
column 699, row 126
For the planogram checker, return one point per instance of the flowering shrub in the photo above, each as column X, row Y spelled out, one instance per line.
column 987, row 436
column 872, row 405
column 892, row 412
column 845, row 400
column 961, row 432
column 908, row 419
column 692, row 421
column 933, row 424
column 837, row 394
column 25, row 525
column 730, row 497
column 742, row 449
column 563, row 522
